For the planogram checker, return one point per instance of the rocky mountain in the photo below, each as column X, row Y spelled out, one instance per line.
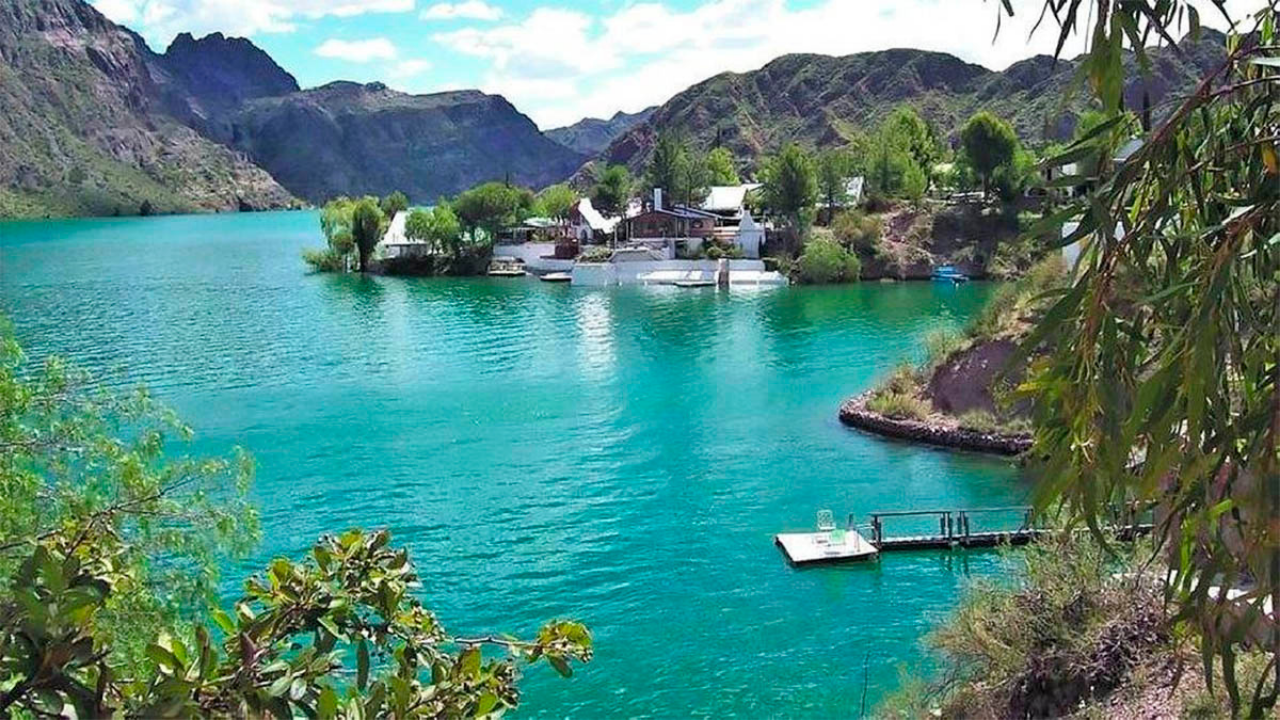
column 348, row 138
column 87, row 127
column 819, row 100
column 93, row 122
column 591, row 136
column 217, row 74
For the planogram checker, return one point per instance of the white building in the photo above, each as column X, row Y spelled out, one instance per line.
column 395, row 244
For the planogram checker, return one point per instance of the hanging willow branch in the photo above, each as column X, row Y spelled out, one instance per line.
column 1161, row 384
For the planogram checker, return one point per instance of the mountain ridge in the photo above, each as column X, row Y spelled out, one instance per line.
column 590, row 136
column 824, row 100
column 351, row 138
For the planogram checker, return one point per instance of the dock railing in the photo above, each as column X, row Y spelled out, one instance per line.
column 979, row 527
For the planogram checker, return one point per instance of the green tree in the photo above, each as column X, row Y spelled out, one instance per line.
column 834, row 166
column 493, row 206
column 394, row 203
column 906, row 130
column 612, row 190
column 335, row 223
column 989, row 143
column 557, row 202
column 791, row 189
column 914, row 184
column 439, row 227
column 667, row 165
column 887, row 165
column 76, row 456
column 1158, row 379
column 721, row 168
column 367, row 226
column 694, row 179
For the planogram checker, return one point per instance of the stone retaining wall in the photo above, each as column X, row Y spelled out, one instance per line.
column 854, row 413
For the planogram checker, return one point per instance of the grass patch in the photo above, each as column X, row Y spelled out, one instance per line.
column 899, row 405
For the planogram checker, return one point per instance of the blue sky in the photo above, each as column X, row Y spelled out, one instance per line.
column 563, row 60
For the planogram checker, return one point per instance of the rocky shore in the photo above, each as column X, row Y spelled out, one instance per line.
column 935, row 431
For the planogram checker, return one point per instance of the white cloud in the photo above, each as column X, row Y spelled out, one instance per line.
column 160, row 20
column 358, row 51
column 469, row 10
column 406, row 69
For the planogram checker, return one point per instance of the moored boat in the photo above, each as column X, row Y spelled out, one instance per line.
column 949, row 273
column 506, row 267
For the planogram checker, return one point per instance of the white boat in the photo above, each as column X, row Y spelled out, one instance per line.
column 556, row 277
column 506, row 267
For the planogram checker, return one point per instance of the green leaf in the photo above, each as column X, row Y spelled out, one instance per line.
column 1267, row 61
column 223, row 620
column 164, row 658
column 281, row 686
column 469, row 662
column 561, row 665
column 487, row 702
column 327, row 704
column 362, row 664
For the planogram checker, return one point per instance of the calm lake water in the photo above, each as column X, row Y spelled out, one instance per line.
column 619, row 456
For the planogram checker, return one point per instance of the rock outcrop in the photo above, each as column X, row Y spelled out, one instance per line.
column 86, row 127
column 935, row 431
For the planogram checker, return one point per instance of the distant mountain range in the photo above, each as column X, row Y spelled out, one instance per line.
column 95, row 123
column 819, row 100
column 593, row 136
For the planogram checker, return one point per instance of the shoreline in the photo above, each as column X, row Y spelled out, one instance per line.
column 854, row 413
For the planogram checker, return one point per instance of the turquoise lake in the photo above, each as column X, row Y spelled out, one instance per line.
column 620, row 456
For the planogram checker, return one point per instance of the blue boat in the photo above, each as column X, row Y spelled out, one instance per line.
column 949, row 273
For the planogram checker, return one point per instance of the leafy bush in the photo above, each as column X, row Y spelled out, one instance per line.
column 898, row 405
column 824, row 261
column 326, row 260
column 858, row 232
column 980, row 420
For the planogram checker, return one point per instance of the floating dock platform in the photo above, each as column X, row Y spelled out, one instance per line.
column 825, row 547
column 955, row 530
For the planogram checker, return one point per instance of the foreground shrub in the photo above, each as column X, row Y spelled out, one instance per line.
column 824, row 261
column 1070, row 629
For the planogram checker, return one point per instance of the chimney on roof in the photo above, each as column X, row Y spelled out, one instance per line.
column 657, row 198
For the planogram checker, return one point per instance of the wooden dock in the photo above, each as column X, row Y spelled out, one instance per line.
column 975, row 528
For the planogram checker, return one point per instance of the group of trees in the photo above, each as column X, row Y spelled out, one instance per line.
column 456, row 230
column 685, row 174
column 110, row 545
column 352, row 228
